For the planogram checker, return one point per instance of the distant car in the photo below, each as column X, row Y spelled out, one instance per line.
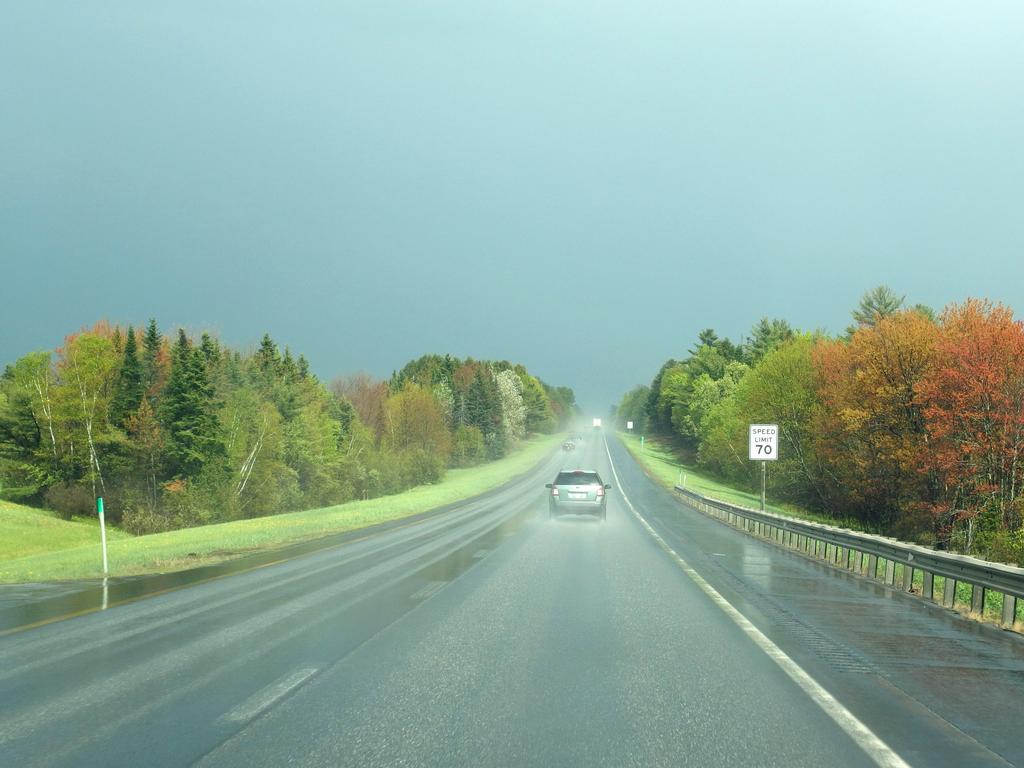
column 578, row 491
column 568, row 445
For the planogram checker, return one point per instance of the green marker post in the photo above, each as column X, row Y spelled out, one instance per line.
column 103, row 533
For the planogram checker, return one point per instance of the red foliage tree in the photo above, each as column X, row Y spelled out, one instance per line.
column 973, row 401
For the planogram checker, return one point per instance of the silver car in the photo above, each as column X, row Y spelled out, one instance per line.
column 578, row 491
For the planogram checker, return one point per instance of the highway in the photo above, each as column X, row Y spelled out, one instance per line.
column 490, row 635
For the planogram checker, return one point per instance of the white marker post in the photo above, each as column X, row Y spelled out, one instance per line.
column 764, row 447
column 103, row 533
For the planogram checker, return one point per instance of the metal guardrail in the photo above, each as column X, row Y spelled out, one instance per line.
column 867, row 554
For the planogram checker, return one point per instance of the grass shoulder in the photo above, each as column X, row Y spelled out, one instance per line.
column 28, row 531
column 662, row 464
column 79, row 558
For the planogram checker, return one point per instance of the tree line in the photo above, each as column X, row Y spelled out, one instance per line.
column 911, row 423
column 175, row 431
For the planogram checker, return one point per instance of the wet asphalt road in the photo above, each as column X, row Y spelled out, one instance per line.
column 491, row 636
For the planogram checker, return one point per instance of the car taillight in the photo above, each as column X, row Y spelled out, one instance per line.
column 600, row 491
column 554, row 491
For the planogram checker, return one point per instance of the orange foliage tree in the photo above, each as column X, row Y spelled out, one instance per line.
column 872, row 432
column 974, row 404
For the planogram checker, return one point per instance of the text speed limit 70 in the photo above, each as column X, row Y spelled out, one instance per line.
column 764, row 442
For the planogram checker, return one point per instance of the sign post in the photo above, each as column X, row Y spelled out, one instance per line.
column 764, row 447
column 103, row 533
column 629, row 425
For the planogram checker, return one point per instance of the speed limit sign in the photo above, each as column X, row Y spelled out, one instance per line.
column 764, row 442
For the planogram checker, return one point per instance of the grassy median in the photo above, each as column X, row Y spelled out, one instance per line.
column 79, row 555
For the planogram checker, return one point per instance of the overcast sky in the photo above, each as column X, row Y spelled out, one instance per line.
column 581, row 186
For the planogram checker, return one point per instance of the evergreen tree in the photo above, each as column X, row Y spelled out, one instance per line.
column 130, row 385
column 151, row 343
column 764, row 337
column 289, row 371
column 874, row 305
column 483, row 403
column 268, row 361
column 186, row 412
column 210, row 350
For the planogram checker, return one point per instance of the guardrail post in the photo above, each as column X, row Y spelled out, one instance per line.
column 977, row 599
column 1009, row 610
column 928, row 586
column 949, row 592
column 873, row 566
column 890, row 572
column 908, row 578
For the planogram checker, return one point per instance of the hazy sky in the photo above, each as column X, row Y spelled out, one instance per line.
column 580, row 186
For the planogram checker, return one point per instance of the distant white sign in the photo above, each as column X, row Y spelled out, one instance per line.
column 597, row 422
column 629, row 425
column 764, row 442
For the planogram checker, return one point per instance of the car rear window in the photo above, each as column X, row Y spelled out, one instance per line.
column 578, row 478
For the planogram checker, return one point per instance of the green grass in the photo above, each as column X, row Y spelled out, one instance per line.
column 662, row 464
column 28, row 531
column 189, row 547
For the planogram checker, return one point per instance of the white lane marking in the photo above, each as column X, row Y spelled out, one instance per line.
column 865, row 738
column 431, row 589
column 262, row 700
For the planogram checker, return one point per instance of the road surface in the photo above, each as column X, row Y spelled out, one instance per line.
column 492, row 636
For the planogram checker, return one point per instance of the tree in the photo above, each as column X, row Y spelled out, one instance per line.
column 87, row 363
column 764, row 337
column 540, row 415
column 631, row 408
column 187, row 414
column 483, row 402
column 130, row 383
column 513, row 412
column 147, row 444
column 413, row 420
column 973, row 402
column 29, row 449
column 871, row 430
column 783, row 389
column 268, row 359
column 874, row 305
column 153, row 362
column 365, row 393
column 659, row 411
